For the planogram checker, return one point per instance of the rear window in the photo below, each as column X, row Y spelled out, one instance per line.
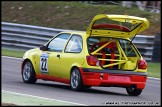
column 107, row 24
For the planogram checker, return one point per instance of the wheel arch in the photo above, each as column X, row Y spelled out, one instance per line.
column 73, row 67
column 76, row 65
column 24, row 61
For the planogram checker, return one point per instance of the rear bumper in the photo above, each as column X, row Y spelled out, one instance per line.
column 113, row 78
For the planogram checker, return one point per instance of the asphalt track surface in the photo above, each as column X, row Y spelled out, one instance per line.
column 12, row 81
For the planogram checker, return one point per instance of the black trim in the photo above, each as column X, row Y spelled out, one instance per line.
column 114, row 71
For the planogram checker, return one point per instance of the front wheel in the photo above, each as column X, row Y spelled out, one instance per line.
column 28, row 73
column 133, row 91
column 76, row 80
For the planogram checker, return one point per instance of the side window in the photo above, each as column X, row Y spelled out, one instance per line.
column 75, row 44
column 127, row 48
column 58, row 43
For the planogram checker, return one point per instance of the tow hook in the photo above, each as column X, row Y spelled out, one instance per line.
column 101, row 76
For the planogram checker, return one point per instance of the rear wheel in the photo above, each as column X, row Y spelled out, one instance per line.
column 133, row 91
column 28, row 73
column 76, row 80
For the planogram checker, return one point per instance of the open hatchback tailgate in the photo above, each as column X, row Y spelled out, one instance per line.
column 120, row 26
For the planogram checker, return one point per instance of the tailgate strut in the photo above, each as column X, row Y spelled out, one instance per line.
column 136, row 34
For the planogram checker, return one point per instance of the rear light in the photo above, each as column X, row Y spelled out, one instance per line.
column 92, row 60
column 142, row 64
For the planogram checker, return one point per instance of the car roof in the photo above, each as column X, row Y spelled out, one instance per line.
column 76, row 32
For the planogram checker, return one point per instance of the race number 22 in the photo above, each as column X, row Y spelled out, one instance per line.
column 44, row 63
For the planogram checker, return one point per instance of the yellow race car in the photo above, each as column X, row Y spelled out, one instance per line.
column 104, row 55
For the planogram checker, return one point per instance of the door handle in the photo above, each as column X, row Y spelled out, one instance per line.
column 58, row 56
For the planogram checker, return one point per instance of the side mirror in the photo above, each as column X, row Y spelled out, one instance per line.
column 43, row 48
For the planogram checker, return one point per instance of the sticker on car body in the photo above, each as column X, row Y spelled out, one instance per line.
column 44, row 63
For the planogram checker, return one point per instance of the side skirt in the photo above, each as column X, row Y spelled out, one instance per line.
column 52, row 78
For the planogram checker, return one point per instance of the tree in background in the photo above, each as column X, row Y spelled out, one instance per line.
column 153, row 6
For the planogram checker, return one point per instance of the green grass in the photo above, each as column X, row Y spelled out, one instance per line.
column 13, row 53
column 71, row 15
column 153, row 68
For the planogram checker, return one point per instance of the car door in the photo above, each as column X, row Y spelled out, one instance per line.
column 73, row 55
column 50, row 59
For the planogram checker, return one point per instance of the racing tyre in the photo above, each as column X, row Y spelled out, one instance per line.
column 76, row 80
column 28, row 73
column 133, row 91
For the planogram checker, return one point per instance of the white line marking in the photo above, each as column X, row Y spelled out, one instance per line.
column 12, row 57
column 41, row 97
column 154, row 78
